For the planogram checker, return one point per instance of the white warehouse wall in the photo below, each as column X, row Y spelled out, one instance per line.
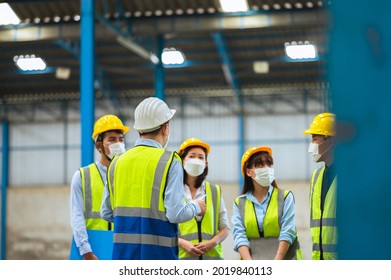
column 49, row 153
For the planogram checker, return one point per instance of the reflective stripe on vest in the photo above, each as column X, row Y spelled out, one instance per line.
column 271, row 223
column 92, row 188
column 209, row 226
column 323, row 224
column 137, row 181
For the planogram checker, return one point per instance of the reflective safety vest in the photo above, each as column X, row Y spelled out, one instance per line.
column 137, row 181
column 264, row 243
column 204, row 230
column 92, row 188
column 323, row 223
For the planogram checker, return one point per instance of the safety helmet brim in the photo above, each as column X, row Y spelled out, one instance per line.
column 108, row 123
column 253, row 150
column 153, row 128
column 194, row 142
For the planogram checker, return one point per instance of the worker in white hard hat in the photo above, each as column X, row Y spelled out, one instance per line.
column 87, row 186
column 323, row 188
column 144, row 195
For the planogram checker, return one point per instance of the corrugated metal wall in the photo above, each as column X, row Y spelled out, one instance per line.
column 48, row 153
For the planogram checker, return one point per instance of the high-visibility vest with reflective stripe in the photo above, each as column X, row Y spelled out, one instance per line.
column 271, row 221
column 323, row 224
column 137, row 181
column 92, row 188
column 209, row 226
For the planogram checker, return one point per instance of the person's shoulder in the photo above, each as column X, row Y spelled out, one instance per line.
column 287, row 193
column 238, row 198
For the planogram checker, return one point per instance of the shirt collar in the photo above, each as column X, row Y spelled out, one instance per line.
column 252, row 198
column 147, row 142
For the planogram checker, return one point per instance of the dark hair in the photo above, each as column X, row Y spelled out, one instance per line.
column 154, row 132
column 102, row 135
column 257, row 159
column 201, row 177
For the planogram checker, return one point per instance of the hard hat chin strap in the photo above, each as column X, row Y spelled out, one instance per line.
column 106, row 156
column 102, row 149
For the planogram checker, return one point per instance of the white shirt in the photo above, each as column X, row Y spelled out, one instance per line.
column 223, row 217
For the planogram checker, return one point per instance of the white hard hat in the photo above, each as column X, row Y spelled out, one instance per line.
column 150, row 114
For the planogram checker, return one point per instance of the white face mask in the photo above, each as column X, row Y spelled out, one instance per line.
column 116, row 149
column 313, row 150
column 194, row 166
column 264, row 176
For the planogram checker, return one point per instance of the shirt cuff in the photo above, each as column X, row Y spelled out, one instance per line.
column 197, row 208
column 85, row 248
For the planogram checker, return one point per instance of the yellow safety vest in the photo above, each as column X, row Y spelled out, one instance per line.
column 323, row 223
column 206, row 229
column 137, row 181
column 271, row 223
column 92, row 188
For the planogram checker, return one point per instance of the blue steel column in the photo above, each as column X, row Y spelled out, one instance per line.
column 4, row 184
column 87, row 77
column 159, row 70
column 360, row 69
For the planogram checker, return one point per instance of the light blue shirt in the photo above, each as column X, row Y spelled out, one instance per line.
column 176, row 210
column 78, row 224
column 288, row 225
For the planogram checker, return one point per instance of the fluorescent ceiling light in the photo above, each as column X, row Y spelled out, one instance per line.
column 134, row 47
column 63, row 73
column 29, row 62
column 7, row 15
column 261, row 67
column 172, row 56
column 301, row 50
column 228, row 6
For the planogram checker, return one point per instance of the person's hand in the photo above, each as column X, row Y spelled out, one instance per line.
column 90, row 256
column 202, row 205
column 205, row 246
column 191, row 249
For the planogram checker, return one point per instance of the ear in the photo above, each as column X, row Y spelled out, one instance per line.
column 248, row 172
column 98, row 146
column 165, row 128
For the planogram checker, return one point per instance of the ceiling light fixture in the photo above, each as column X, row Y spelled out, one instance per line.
column 29, row 62
column 301, row 50
column 261, row 67
column 230, row 6
column 7, row 15
column 131, row 45
column 172, row 56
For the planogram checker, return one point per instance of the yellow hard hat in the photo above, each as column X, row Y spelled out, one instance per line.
column 323, row 124
column 193, row 142
column 254, row 150
column 106, row 123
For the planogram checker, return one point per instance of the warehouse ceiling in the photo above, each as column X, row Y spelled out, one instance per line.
column 241, row 51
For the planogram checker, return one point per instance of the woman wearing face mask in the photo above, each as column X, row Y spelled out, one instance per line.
column 201, row 237
column 88, row 185
column 263, row 215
